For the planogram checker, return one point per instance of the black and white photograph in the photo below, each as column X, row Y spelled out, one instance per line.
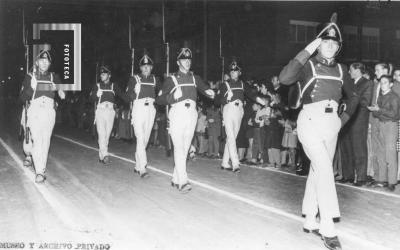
column 199, row 125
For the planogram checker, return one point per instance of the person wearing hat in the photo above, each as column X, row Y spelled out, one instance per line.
column 104, row 94
column 39, row 89
column 231, row 95
column 180, row 91
column 142, row 92
column 322, row 82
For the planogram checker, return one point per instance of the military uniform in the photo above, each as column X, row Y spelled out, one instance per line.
column 104, row 95
column 322, row 82
column 182, row 115
column 143, row 112
column 232, row 113
column 40, row 113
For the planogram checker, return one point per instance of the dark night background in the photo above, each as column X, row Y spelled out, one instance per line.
column 259, row 34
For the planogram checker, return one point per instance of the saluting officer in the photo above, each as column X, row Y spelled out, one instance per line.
column 142, row 92
column 231, row 94
column 322, row 81
column 39, row 89
column 104, row 94
column 180, row 91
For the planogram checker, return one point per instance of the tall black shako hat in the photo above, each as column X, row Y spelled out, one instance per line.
column 105, row 69
column 44, row 53
column 330, row 31
column 234, row 66
column 145, row 60
column 184, row 53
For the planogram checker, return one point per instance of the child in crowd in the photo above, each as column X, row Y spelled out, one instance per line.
column 289, row 143
column 387, row 112
column 201, row 132
column 274, row 135
column 258, row 122
column 255, row 122
column 214, row 131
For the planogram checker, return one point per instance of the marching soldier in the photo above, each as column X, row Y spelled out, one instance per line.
column 231, row 95
column 104, row 94
column 322, row 81
column 39, row 89
column 142, row 92
column 180, row 91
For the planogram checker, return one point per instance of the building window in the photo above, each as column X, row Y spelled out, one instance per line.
column 350, row 42
column 369, row 46
column 302, row 31
column 370, row 43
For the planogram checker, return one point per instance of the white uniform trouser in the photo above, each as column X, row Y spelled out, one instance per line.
column 318, row 132
column 41, row 119
column 142, row 119
column 232, row 115
column 183, row 121
column 105, row 115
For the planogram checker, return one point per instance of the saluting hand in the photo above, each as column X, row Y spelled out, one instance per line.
column 177, row 93
column 313, row 46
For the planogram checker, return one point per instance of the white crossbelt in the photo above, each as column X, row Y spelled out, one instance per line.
column 138, row 81
column 228, row 87
column 105, row 90
column 316, row 76
column 181, row 85
column 41, row 81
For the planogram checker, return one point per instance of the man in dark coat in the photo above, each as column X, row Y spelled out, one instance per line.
column 355, row 153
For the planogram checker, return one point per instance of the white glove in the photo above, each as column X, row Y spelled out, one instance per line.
column 260, row 101
column 131, row 119
column 33, row 82
column 230, row 95
column 177, row 93
column 210, row 93
column 61, row 94
column 311, row 47
column 137, row 89
column 99, row 93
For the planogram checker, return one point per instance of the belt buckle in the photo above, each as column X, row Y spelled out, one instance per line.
column 187, row 105
column 328, row 110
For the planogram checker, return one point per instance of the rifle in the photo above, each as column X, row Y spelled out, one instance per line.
column 132, row 73
column 223, row 132
column 94, row 130
column 24, row 129
column 220, row 54
column 169, row 143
